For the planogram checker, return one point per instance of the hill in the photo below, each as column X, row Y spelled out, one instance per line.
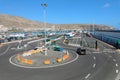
column 8, row 22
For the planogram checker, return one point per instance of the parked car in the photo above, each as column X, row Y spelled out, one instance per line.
column 57, row 48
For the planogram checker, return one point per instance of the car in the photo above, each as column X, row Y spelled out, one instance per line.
column 66, row 41
column 36, row 48
column 58, row 48
column 81, row 51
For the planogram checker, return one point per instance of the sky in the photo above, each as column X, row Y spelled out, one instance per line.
column 106, row 12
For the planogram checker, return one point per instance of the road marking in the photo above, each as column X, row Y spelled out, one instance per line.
column 117, row 71
column 86, row 77
column 94, row 65
column 116, row 65
column 5, row 51
column 94, row 58
column 110, row 56
column 114, row 60
column 107, row 49
column 106, row 53
column 96, row 52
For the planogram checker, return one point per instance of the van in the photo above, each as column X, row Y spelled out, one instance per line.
column 81, row 51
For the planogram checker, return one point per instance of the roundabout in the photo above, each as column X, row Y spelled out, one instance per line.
column 39, row 60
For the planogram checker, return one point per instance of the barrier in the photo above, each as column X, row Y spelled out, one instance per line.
column 38, row 50
column 18, row 57
column 47, row 62
column 59, row 60
column 29, row 62
column 23, row 60
column 1, row 45
column 65, row 57
column 26, row 54
column 41, row 50
column 30, row 52
column 67, row 53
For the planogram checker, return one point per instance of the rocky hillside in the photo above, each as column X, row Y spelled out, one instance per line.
column 8, row 22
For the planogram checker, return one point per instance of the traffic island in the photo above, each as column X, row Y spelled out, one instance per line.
column 40, row 60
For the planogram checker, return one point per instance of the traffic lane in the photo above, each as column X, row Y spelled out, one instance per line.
column 102, row 61
column 114, row 54
column 116, row 59
column 3, row 48
column 14, row 46
column 110, row 52
column 15, row 43
column 105, row 68
column 75, row 70
column 65, row 46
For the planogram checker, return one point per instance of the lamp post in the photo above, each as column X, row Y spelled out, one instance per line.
column 93, row 29
column 44, row 5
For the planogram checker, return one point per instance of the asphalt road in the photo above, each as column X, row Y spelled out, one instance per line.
column 93, row 66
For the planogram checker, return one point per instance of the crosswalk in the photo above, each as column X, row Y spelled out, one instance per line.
column 96, row 52
column 108, row 51
column 104, row 51
column 77, row 45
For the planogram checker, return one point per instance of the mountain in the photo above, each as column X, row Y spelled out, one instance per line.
column 9, row 22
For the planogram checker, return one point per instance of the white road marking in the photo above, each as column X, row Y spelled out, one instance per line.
column 94, row 65
column 89, row 52
column 107, row 49
column 5, row 51
column 106, row 53
column 96, row 52
column 116, row 65
column 94, row 58
column 117, row 71
column 110, row 56
column 87, row 76
column 114, row 60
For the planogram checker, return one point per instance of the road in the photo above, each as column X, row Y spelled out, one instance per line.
column 93, row 66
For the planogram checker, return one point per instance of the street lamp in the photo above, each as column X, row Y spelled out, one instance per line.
column 44, row 5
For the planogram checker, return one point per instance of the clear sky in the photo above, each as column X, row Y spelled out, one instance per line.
column 66, row 11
